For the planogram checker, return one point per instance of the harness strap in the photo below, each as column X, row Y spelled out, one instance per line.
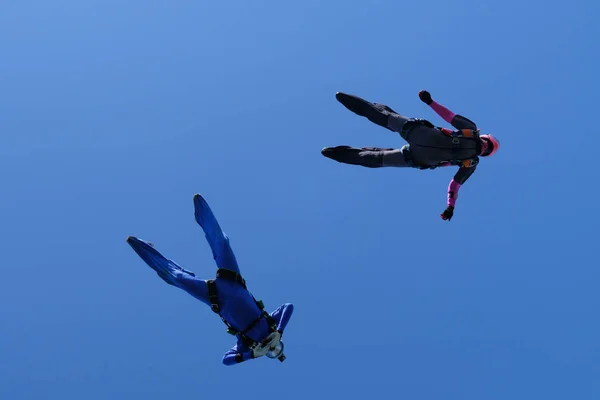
column 212, row 296
column 214, row 305
column 468, row 163
column 456, row 141
column 408, row 125
column 248, row 341
column 230, row 275
column 468, row 133
column 457, row 136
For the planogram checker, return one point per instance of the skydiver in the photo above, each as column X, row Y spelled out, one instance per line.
column 428, row 147
column 258, row 332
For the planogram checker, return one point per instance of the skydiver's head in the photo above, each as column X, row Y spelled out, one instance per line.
column 489, row 145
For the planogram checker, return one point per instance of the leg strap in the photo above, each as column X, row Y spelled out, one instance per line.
column 212, row 296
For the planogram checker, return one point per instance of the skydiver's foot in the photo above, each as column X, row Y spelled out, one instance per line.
column 335, row 153
column 374, row 112
column 354, row 103
column 165, row 268
column 354, row 156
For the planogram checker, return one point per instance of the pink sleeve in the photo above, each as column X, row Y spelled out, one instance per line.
column 442, row 111
column 453, row 189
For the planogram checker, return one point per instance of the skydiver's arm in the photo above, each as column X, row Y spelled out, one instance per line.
column 282, row 315
column 455, row 184
column 442, row 111
column 456, row 120
column 237, row 354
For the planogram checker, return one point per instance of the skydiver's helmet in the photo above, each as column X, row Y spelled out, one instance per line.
column 277, row 352
column 489, row 145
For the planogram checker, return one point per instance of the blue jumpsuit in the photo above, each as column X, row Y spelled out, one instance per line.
column 236, row 303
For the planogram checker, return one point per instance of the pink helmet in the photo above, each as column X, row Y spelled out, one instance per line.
column 495, row 144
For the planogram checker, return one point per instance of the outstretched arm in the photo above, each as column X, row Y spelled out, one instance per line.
column 442, row 111
column 237, row 354
column 455, row 184
column 457, row 121
column 282, row 315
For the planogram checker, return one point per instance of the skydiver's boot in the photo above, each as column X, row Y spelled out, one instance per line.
column 166, row 269
column 370, row 157
column 377, row 113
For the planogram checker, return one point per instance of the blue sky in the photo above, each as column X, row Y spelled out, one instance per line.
column 115, row 113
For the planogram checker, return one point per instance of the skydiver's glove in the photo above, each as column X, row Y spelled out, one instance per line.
column 448, row 213
column 425, row 97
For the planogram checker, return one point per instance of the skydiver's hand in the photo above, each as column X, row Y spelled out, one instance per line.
column 448, row 213
column 425, row 97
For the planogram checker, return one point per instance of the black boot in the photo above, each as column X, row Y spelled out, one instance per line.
column 374, row 112
column 351, row 155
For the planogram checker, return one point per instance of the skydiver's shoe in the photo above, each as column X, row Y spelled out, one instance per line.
column 165, row 268
column 351, row 155
column 374, row 112
column 355, row 104
column 338, row 153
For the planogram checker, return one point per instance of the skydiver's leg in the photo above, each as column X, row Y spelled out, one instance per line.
column 379, row 114
column 370, row 157
column 169, row 271
column 216, row 238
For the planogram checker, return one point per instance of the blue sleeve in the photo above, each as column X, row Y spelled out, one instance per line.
column 282, row 315
column 237, row 354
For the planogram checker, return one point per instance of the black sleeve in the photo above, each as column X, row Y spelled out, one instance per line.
column 463, row 174
column 460, row 122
